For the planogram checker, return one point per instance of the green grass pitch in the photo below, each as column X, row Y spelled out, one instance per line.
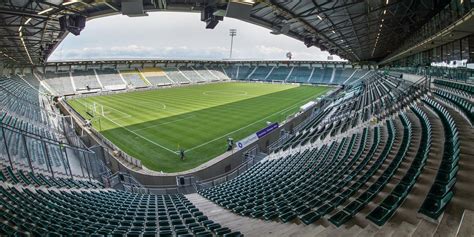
column 153, row 125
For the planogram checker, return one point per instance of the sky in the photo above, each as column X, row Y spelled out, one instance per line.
column 172, row 35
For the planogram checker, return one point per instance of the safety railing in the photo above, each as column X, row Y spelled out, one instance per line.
column 21, row 149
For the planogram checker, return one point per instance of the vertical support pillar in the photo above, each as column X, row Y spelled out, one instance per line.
column 27, row 153
column 85, row 163
column 48, row 159
column 471, row 48
column 64, row 154
column 6, row 147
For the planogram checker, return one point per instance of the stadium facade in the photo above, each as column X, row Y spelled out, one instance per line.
column 385, row 152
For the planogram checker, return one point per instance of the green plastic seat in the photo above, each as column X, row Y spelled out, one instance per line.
column 379, row 215
column 340, row 218
column 288, row 216
column 434, row 207
column 310, row 217
column 354, row 207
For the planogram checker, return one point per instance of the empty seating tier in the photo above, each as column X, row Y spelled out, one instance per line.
column 101, row 212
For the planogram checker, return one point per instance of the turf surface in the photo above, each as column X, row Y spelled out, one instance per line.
column 153, row 125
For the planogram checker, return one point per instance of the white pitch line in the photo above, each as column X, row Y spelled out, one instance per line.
column 144, row 138
column 124, row 117
column 225, row 135
column 287, row 109
column 153, row 103
column 156, row 125
column 225, row 92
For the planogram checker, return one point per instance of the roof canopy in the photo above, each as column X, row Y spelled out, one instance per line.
column 357, row 30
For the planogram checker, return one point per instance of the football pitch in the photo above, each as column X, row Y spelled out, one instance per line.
column 153, row 125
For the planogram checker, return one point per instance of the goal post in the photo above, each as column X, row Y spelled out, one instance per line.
column 98, row 109
column 278, row 82
column 94, row 109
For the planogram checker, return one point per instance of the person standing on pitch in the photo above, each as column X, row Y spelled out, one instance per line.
column 181, row 153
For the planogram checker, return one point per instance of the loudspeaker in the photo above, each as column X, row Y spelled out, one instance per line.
column 121, row 177
column 72, row 23
column 239, row 9
column 181, row 181
column 207, row 15
column 133, row 8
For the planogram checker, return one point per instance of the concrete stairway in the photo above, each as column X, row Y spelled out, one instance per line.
column 249, row 226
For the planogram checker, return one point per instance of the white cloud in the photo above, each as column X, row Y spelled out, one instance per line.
column 134, row 51
column 177, row 36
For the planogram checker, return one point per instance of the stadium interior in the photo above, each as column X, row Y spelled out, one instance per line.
column 380, row 148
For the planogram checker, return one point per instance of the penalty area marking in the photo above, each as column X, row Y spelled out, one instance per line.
column 124, row 117
column 106, row 112
column 144, row 138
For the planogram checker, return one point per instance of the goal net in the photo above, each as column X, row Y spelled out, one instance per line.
column 94, row 109
column 278, row 82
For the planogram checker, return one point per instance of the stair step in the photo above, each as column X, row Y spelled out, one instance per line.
column 466, row 228
column 424, row 228
column 404, row 229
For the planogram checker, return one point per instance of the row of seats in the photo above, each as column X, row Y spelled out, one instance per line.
column 111, row 79
column 464, row 105
column 306, row 186
column 40, row 212
column 462, row 87
column 441, row 191
column 293, row 74
column 389, row 205
column 18, row 176
column 373, row 97
column 31, row 133
column 22, row 100
column 323, row 182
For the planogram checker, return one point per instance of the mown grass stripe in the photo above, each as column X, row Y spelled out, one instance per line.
column 209, row 119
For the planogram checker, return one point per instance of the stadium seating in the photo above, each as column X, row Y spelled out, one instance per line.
column 133, row 78
column 358, row 106
column 387, row 208
column 218, row 72
column 96, row 80
column 327, row 75
column 441, row 191
column 177, row 76
column 156, row 76
column 361, row 157
column 35, row 203
column 358, row 74
column 280, row 73
column 191, row 74
column 341, row 75
column 461, row 88
column 101, row 212
column 317, row 76
column 260, row 73
column 110, row 79
column 464, row 105
column 243, row 72
column 370, row 173
column 231, row 71
column 206, row 74
column 300, row 75
column 18, row 176
column 85, row 80
column 60, row 82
